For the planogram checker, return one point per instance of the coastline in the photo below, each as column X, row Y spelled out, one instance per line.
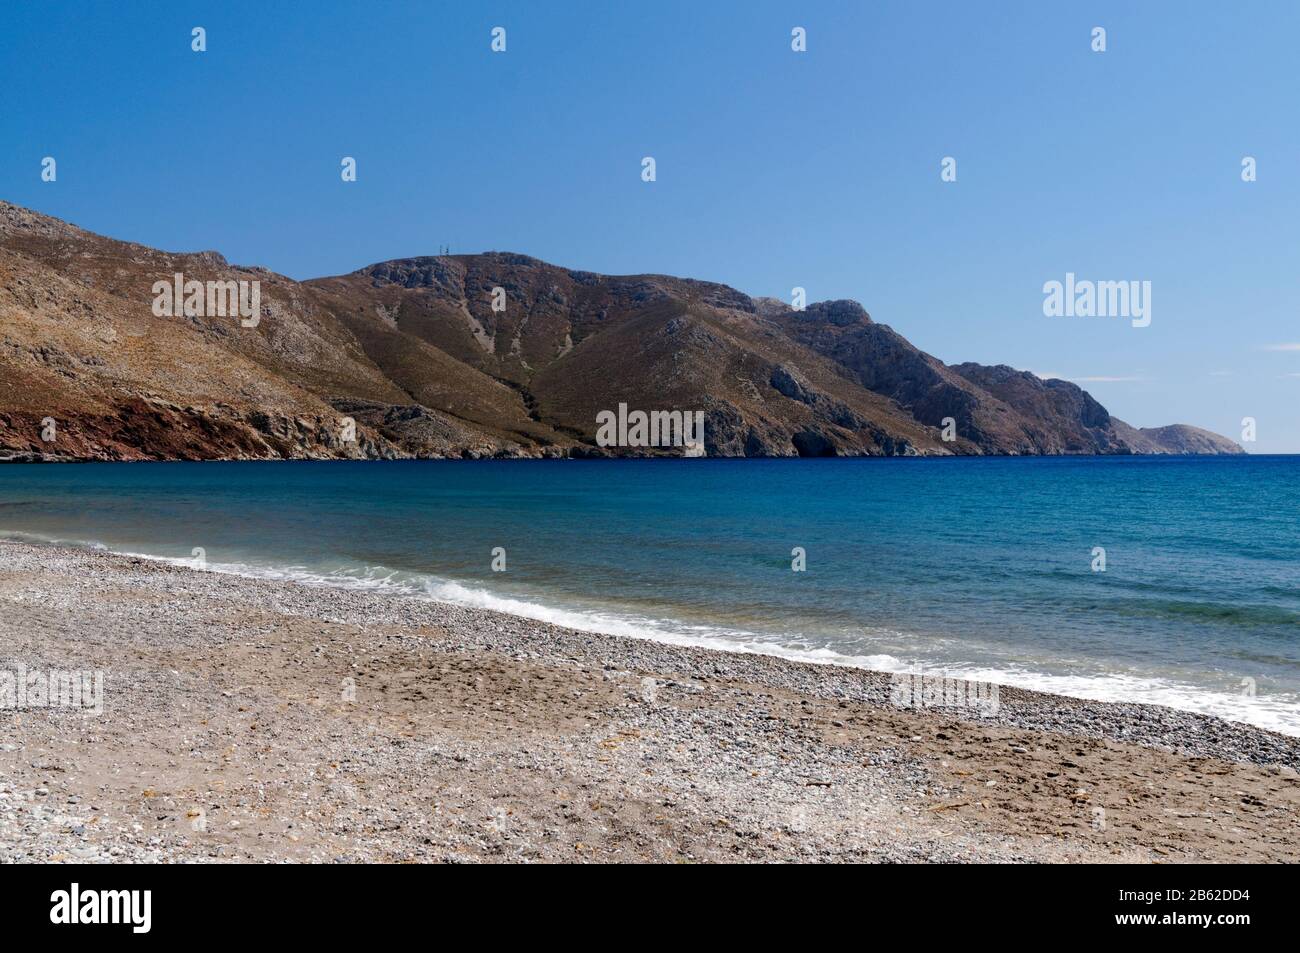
column 21, row 457
column 261, row 720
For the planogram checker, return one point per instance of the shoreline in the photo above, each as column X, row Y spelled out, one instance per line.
column 661, row 630
column 18, row 457
column 440, row 732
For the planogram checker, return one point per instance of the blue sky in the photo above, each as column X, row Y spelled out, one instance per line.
column 775, row 168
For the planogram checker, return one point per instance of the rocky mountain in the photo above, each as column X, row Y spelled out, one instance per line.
column 481, row 356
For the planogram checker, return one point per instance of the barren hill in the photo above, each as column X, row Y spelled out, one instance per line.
column 410, row 358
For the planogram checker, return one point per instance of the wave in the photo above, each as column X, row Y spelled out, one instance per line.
column 1279, row 713
column 18, row 536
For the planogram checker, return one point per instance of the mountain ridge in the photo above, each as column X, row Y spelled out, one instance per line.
column 409, row 358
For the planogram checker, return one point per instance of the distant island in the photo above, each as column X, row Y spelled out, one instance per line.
column 493, row 355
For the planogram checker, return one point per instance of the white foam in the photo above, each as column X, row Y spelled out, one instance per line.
column 18, row 536
column 1280, row 714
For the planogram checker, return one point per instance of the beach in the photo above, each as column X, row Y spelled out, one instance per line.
column 256, row 720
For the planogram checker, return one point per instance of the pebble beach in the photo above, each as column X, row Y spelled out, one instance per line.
column 254, row 720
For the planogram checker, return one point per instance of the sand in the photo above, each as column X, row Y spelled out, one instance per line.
column 252, row 720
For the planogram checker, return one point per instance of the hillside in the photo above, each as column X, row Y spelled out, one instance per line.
column 414, row 353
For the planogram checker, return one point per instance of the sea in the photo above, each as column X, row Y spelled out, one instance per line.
column 1163, row 580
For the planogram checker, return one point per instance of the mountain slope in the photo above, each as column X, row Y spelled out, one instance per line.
column 411, row 358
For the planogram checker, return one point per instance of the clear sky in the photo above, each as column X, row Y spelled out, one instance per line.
column 775, row 169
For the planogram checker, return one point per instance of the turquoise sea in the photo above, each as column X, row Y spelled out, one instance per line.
column 974, row 567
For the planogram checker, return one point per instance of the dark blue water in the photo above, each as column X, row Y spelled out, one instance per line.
column 977, row 567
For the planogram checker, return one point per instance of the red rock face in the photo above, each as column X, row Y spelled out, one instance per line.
column 477, row 356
